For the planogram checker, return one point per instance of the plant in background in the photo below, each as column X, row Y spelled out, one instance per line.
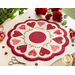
column 6, row 13
column 55, row 13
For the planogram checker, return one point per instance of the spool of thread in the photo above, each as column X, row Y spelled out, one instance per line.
column 72, row 30
column 72, row 36
column 2, row 33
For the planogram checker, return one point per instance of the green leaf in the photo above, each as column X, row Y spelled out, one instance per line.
column 64, row 22
column 13, row 11
column 49, row 10
column 3, row 19
column 12, row 17
column 25, row 8
column 65, row 16
column 20, row 12
column 22, row 9
column 1, row 11
column 2, row 16
column 5, row 11
column 60, row 21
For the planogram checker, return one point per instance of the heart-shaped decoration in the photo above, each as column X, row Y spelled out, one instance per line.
column 44, row 51
column 5, row 53
column 41, row 23
column 49, row 27
column 17, row 33
column 58, row 40
column 57, row 32
column 15, row 41
column 22, row 27
column 22, row 48
column 32, row 52
column 32, row 24
column 54, row 47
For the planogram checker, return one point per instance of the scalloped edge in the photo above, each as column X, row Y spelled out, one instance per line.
column 38, row 58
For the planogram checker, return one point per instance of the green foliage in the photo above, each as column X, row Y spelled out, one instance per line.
column 65, row 16
column 49, row 10
column 6, row 13
column 64, row 22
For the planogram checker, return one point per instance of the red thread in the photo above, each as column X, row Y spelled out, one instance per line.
column 71, row 30
column 71, row 34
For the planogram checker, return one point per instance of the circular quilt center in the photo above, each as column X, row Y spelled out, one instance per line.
column 37, row 37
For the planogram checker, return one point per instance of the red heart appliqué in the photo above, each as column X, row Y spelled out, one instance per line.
column 58, row 40
column 17, row 33
column 22, row 27
column 15, row 41
column 44, row 51
column 41, row 23
column 57, row 32
column 32, row 24
column 22, row 48
column 32, row 52
column 54, row 47
column 49, row 26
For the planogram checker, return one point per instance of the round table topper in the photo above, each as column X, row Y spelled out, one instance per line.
column 37, row 39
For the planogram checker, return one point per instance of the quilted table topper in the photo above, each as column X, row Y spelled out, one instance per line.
column 37, row 39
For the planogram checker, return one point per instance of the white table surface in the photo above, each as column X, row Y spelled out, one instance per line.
column 9, row 24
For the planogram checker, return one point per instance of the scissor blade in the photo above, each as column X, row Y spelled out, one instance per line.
column 22, row 63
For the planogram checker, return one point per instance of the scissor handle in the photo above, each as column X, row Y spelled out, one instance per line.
column 14, row 58
column 15, row 61
column 10, row 63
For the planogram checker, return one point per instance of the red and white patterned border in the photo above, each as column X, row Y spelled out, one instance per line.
column 38, row 58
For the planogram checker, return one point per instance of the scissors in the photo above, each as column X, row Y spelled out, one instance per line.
column 15, row 61
column 73, row 63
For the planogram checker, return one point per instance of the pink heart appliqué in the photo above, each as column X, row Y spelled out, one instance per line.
column 41, row 23
column 17, row 33
column 32, row 52
column 15, row 41
column 54, row 47
column 49, row 26
column 22, row 48
column 22, row 27
column 57, row 32
column 44, row 51
column 58, row 40
column 32, row 24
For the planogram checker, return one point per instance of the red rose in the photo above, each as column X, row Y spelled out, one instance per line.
column 37, row 10
column 48, row 16
column 56, row 9
column 57, row 16
column 41, row 11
